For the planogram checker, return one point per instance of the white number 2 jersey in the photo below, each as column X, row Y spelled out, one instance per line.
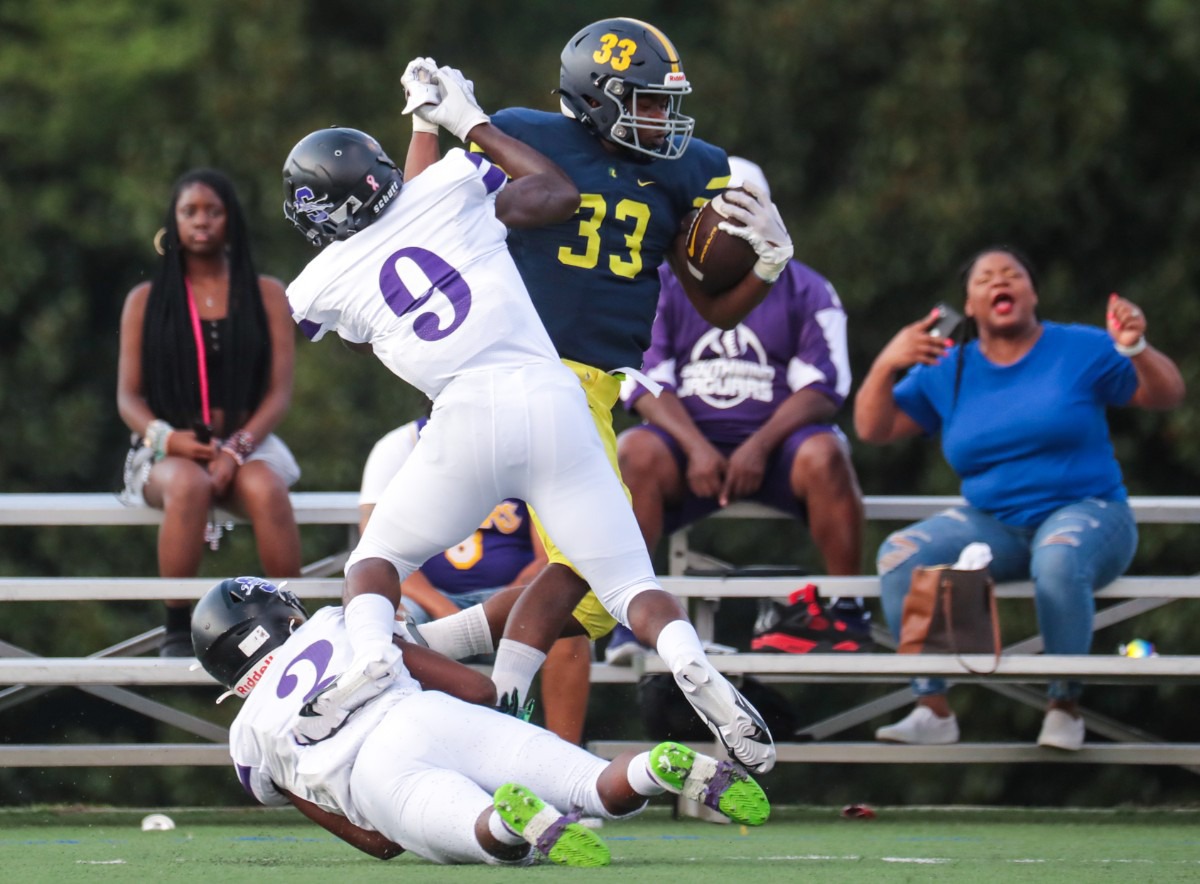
column 430, row 285
column 265, row 753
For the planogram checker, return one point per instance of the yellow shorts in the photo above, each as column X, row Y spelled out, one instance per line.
column 602, row 391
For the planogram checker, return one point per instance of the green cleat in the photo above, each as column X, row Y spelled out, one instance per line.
column 721, row 785
column 561, row 838
column 510, row 704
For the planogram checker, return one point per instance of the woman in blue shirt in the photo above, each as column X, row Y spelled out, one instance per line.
column 1021, row 410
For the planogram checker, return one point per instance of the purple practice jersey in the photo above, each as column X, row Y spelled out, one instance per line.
column 732, row 381
column 492, row 556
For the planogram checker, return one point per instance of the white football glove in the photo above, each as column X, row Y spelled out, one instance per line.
column 364, row 680
column 458, row 111
column 760, row 225
column 420, row 84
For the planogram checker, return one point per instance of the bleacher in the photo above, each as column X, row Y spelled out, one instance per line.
column 112, row 671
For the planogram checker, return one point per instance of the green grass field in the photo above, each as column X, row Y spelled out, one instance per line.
column 798, row 844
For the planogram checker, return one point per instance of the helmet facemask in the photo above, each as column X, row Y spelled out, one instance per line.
column 675, row 127
column 607, row 67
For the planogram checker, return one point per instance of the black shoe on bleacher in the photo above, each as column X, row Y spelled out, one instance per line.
column 806, row 625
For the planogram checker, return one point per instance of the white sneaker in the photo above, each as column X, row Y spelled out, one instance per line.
column 1062, row 730
column 921, row 727
column 735, row 723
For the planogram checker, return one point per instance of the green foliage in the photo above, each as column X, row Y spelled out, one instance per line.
column 898, row 138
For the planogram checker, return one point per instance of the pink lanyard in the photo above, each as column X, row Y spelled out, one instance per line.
column 201, row 356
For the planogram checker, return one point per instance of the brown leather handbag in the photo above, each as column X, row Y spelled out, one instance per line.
column 948, row 611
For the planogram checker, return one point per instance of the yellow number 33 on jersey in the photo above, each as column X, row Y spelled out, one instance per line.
column 615, row 52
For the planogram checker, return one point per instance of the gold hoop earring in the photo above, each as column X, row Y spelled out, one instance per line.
column 158, row 241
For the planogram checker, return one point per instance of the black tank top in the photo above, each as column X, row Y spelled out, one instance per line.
column 214, row 334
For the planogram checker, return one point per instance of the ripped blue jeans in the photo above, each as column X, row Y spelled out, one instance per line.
column 1078, row 549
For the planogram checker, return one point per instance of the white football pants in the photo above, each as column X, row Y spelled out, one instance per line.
column 428, row 770
column 526, row 434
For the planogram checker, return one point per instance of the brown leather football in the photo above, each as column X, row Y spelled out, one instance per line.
column 714, row 258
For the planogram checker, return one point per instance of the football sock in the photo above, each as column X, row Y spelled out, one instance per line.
column 679, row 645
column 640, row 777
column 369, row 619
column 460, row 635
column 516, row 665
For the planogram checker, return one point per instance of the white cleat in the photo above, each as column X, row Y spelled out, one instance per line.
column 735, row 723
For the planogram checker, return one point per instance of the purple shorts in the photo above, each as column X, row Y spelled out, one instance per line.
column 775, row 491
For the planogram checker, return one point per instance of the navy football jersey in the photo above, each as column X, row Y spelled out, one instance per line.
column 594, row 278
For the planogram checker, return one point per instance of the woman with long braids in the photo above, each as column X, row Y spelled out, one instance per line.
column 1021, row 407
column 205, row 375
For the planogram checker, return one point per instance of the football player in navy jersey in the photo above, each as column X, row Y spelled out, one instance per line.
column 593, row 278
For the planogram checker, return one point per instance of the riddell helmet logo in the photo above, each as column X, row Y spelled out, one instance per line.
column 253, row 677
column 307, row 203
column 675, row 78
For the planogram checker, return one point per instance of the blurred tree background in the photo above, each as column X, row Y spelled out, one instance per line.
column 898, row 139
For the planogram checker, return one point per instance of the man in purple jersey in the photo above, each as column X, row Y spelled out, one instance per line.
column 747, row 414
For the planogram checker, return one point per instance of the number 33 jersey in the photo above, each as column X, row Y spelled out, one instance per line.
column 265, row 753
column 594, row 277
column 431, row 285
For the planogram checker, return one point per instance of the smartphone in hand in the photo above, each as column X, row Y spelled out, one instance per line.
column 948, row 321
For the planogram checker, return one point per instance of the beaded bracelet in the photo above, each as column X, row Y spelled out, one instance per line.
column 155, row 438
column 240, row 446
column 1132, row 349
column 232, row 452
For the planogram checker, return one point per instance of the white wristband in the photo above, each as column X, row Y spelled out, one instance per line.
column 420, row 125
column 768, row 271
column 772, row 260
column 1132, row 349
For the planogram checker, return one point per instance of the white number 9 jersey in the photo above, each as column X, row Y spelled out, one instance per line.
column 430, row 285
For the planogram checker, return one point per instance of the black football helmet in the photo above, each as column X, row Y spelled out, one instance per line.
column 606, row 66
column 237, row 623
column 336, row 182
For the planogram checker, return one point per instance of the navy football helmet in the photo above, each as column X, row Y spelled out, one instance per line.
column 336, row 182
column 238, row 622
column 607, row 66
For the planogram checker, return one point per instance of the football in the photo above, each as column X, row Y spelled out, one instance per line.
column 714, row 258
